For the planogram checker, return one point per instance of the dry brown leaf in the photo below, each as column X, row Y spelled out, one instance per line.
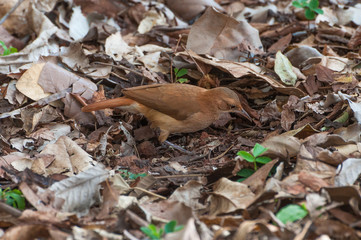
column 229, row 196
column 223, row 37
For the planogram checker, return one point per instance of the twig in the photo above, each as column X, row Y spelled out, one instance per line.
column 40, row 102
column 10, row 210
column 195, row 62
column 3, row 19
column 149, row 192
column 179, row 176
column 121, row 67
column 129, row 235
column 179, row 148
column 222, row 154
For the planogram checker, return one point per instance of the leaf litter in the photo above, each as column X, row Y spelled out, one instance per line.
column 82, row 174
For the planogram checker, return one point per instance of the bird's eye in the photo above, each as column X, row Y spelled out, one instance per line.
column 233, row 106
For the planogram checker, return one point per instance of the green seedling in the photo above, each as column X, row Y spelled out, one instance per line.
column 310, row 7
column 131, row 176
column 292, row 213
column 13, row 198
column 156, row 234
column 179, row 73
column 7, row 51
column 254, row 158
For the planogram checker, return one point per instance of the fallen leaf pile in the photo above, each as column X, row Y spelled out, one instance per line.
column 104, row 175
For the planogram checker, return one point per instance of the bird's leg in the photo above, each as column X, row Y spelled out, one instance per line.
column 179, row 148
column 163, row 135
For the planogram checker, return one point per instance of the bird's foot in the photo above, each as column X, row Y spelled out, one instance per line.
column 179, row 148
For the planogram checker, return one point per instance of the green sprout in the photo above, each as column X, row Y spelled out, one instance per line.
column 7, row 51
column 254, row 158
column 310, row 7
column 292, row 213
column 179, row 73
column 156, row 234
column 131, row 176
column 13, row 198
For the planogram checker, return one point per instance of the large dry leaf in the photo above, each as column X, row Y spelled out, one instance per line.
column 169, row 210
column 282, row 146
column 256, row 181
column 238, row 70
column 223, row 37
column 189, row 9
column 348, row 172
column 69, row 158
column 81, row 191
column 189, row 194
column 229, row 196
column 28, row 83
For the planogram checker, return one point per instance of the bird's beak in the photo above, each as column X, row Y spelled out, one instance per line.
column 242, row 112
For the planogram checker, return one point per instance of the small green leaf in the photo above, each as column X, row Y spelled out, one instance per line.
column 2, row 44
column 258, row 149
column 160, row 233
column 319, row 11
column 182, row 80
column 309, row 14
column 16, row 200
column 181, row 72
column 313, row 4
column 263, row 160
column 153, row 228
column 297, row 4
column 169, row 227
column 178, row 228
column 245, row 172
column 246, row 156
column 149, row 233
column 13, row 50
column 291, row 213
column 176, row 71
column 146, row 231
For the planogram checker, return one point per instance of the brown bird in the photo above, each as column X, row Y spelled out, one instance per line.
column 175, row 108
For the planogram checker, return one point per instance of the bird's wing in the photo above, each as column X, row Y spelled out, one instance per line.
column 176, row 100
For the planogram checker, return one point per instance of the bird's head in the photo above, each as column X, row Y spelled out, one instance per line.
column 228, row 101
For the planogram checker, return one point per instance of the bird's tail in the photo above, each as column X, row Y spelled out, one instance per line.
column 110, row 103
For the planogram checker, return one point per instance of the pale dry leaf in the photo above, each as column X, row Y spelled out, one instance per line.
column 348, row 172
column 169, row 210
column 284, row 69
column 151, row 19
column 116, row 47
column 356, row 108
column 80, row 191
column 21, row 143
column 78, row 25
column 188, row 232
column 349, row 14
column 119, row 184
column 28, row 83
column 179, row 168
column 151, row 62
column 11, row 92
